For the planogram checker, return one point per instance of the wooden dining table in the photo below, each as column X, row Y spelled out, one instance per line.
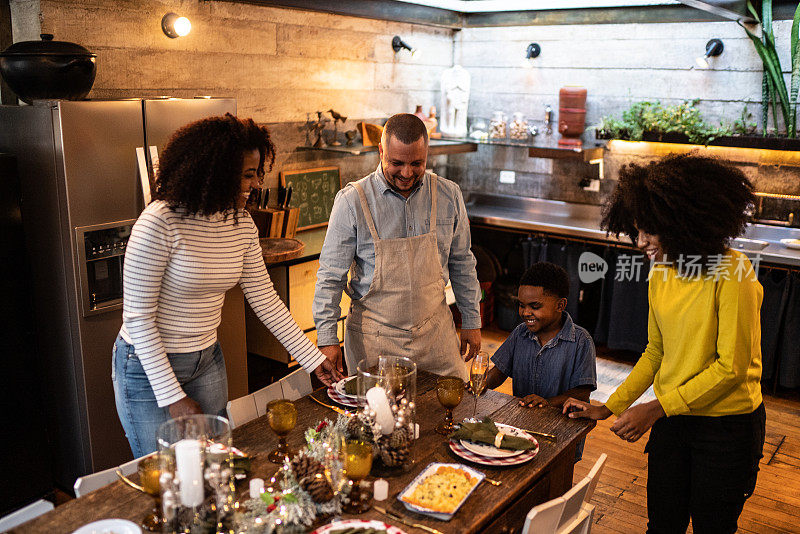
column 489, row 508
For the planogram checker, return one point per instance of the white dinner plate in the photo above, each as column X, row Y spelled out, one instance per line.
column 110, row 526
column 358, row 523
column 490, row 451
column 791, row 243
column 340, row 387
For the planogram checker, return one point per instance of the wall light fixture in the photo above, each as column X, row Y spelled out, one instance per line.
column 713, row 48
column 175, row 26
column 398, row 44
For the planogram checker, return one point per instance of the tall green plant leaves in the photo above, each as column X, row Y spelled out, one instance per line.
column 795, row 50
column 772, row 66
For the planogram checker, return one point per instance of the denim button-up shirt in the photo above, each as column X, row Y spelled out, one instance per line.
column 348, row 240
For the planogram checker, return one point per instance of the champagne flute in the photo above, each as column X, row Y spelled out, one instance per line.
column 356, row 464
column 282, row 418
column 477, row 376
column 449, row 391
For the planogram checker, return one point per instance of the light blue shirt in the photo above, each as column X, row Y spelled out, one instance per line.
column 348, row 240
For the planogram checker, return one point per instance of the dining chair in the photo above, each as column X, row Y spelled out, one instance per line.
column 296, row 385
column 570, row 513
column 241, row 410
column 88, row 483
column 25, row 514
column 266, row 394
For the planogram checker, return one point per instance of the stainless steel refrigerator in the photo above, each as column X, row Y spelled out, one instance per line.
column 82, row 190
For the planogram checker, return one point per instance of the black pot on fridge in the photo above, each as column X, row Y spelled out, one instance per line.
column 47, row 69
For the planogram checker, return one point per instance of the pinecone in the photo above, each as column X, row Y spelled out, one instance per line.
column 357, row 429
column 319, row 488
column 400, row 438
column 393, row 456
column 310, row 474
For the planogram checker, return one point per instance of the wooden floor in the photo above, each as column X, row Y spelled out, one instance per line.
column 621, row 493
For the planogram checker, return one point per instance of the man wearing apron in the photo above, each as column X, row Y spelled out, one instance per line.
column 401, row 233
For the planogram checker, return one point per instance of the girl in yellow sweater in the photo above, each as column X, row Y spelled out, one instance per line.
column 703, row 355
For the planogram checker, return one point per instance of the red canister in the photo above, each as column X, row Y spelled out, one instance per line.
column 571, row 115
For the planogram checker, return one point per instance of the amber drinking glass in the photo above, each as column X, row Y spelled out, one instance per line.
column 282, row 417
column 449, row 391
column 149, row 470
column 357, row 462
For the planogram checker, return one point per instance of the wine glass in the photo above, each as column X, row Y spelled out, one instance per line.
column 282, row 418
column 356, row 464
column 477, row 376
column 449, row 391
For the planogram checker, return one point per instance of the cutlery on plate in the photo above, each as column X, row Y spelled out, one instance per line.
column 394, row 517
column 540, row 434
column 334, row 408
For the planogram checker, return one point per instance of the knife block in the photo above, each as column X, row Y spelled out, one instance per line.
column 275, row 222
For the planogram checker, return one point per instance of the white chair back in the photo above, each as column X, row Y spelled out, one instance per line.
column 25, row 514
column 89, row 483
column 241, row 410
column 266, row 394
column 570, row 513
column 296, row 385
column 544, row 518
column 594, row 476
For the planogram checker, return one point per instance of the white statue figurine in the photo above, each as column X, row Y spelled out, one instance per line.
column 455, row 98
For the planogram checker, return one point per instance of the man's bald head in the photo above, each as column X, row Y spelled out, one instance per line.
column 406, row 128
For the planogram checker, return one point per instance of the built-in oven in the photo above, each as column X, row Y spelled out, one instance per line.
column 101, row 254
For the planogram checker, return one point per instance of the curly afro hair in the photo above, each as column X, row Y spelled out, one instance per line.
column 694, row 204
column 552, row 278
column 200, row 169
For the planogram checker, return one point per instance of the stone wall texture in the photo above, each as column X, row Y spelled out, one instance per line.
column 281, row 64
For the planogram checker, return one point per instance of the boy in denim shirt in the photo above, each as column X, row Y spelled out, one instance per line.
column 548, row 357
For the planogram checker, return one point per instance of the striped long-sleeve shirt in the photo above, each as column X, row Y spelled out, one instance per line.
column 176, row 272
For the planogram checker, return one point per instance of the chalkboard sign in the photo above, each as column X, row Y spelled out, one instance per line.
column 313, row 191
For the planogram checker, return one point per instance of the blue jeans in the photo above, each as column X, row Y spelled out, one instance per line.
column 200, row 373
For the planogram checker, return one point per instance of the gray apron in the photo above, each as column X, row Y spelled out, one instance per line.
column 404, row 312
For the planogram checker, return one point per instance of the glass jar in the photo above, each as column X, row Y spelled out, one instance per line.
column 497, row 128
column 479, row 129
column 388, row 390
column 518, row 128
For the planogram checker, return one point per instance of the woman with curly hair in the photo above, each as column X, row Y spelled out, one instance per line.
column 703, row 355
column 188, row 247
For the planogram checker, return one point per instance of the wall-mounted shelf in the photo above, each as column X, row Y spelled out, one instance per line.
column 435, row 148
column 547, row 147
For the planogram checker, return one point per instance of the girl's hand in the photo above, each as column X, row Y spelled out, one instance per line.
column 637, row 420
column 575, row 408
column 533, row 401
column 185, row 406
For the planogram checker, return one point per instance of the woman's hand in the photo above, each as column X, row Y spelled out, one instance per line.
column 575, row 408
column 637, row 420
column 185, row 406
column 533, row 401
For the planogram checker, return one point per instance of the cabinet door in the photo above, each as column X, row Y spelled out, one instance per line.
column 302, row 279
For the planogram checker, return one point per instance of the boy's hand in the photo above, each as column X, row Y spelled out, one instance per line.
column 575, row 408
column 533, row 401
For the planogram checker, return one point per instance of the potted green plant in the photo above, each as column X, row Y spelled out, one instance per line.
column 774, row 90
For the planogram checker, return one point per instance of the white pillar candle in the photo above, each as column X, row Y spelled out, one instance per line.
column 379, row 402
column 380, row 489
column 256, row 487
column 189, row 465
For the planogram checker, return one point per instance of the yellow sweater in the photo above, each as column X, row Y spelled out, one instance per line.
column 703, row 352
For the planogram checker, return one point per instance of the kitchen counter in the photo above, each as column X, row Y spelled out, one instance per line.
column 583, row 221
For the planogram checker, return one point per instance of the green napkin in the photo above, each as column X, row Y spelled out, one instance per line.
column 485, row 432
column 351, row 386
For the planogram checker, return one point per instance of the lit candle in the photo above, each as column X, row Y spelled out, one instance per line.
column 189, row 464
column 380, row 489
column 256, row 487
